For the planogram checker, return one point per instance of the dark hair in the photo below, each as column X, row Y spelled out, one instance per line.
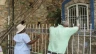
column 39, row 23
column 22, row 22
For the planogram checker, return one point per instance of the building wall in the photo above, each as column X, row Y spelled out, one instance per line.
column 75, row 2
column 95, row 14
column 20, row 13
column 81, row 38
column 3, row 14
column 40, row 13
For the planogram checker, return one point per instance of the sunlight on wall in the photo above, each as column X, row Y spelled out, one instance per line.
column 2, row 2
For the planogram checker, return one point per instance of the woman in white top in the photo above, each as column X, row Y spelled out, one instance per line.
column 22, row 41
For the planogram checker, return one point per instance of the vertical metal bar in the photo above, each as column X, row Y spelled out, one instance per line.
column 8, row 12
column 33, row 37
column 72, row 17
column 79, row 17
column 38, row 39
column 87, row 18
column 84, row 40
column 8, row 43
column 72, row 43
column 68, row 16
column 90, row 36
column 77, row 12
column 82, row 17
column 78, row 44
column 85, row 12
column 30, row 31
column 12, row 12
column 8, row 22
column 12, row 42
column 46, row 39
column 42, row 38
column 82, row 11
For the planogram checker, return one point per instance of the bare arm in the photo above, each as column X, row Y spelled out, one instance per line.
column 33, row 41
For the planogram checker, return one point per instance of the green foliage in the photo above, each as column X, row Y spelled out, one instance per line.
column 56, row 15
column 23, row 3
column 51, row 14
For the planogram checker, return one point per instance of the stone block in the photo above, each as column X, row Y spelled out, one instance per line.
column 2, row 2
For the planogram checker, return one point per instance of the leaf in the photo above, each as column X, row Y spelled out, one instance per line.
column 56, row 15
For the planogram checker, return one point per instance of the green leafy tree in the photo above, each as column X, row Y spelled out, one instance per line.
column 55, row 16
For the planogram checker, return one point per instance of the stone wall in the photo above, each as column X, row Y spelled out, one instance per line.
column 40, row 14
column 81, row 44
column 95, row 13
column 21, row 7
column 76, row 2
column 3, row 14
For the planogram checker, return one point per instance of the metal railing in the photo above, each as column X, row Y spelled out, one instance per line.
column 5, row 35
column 80, row 43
